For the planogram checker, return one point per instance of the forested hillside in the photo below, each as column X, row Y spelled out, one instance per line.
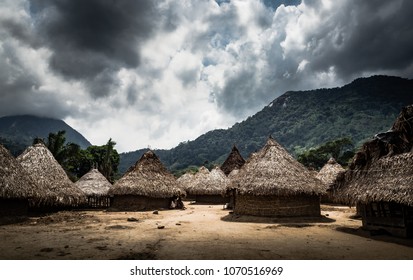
column 299, row 120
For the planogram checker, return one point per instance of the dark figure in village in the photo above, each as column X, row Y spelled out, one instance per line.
column 176, row 203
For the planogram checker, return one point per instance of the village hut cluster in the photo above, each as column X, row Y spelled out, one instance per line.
column 269, row 183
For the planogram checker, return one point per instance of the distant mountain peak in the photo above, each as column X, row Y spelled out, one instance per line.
column 19, row 131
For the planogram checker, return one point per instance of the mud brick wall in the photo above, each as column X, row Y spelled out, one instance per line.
column 138, row 203
column 278, row 206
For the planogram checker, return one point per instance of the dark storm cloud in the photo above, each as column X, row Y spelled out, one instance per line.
column 20, row 31
column 366, row 36
column 93, row 39
column 20, row 92
column 340, row 43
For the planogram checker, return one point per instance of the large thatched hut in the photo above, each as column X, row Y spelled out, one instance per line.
column 233, row 161
column 273, row 183
column 96, row 187
column 380, row 179
column 208, row 187
column 147, row 186
column 47, row 173
column 16, row 187
column 383, row 192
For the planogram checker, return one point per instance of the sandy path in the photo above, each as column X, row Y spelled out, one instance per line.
column 199, row 232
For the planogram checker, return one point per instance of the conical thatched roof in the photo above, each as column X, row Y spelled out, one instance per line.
column 148, row 178
column 46, row 172
column 233, row 161
column 273, row 171
column 185, row 180
column 208, row 183
column 94, row 183
column 329, row 172
column 15, row 182
column 388, row 179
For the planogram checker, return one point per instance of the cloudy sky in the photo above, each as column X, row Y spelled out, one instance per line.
column 159, row 72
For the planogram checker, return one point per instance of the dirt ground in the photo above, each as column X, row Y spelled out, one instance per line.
column 201, row 232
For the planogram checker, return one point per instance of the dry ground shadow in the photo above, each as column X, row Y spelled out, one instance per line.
column 377, row 235
column 283, row 221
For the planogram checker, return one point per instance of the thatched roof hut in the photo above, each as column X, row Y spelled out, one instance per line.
column 16, row 187
column 15, row 182
column 208, row 187
column 185, row 180
column 233, row 161
column 329, row 172
column 273, row 183
column 47, row 173
column 148, row 185
column 387, row 179
column 94, row 183
column 379, row 180
column 385, row 148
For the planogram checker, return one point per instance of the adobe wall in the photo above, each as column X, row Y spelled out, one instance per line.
column 138, row 203
column 278, row 206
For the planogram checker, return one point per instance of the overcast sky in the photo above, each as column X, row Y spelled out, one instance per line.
column 156, row 73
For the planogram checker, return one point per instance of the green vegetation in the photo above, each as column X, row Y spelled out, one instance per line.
column 342, row 150
column 77, row 162
column 299, row 121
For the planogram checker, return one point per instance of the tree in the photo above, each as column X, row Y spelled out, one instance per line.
column 340, row 149
column 106, row 158
column 77, row 162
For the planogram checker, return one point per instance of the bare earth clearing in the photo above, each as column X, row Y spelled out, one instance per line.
column 199, row 232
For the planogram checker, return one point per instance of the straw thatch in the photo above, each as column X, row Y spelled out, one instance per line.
column 15, row 182
column 233, row 161
column 148, row 178
column 208, row 183
column 388, row 179
column 329, row 172
column 380, row 169
column 273, row 171
column 185, row 180
column 94, row 183
column 47, row 173
column 398, row 140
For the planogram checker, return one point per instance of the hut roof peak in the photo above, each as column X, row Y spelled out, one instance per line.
column 148, row 178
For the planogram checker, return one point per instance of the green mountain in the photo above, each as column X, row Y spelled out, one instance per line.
column 298, row 120
column 18, row 132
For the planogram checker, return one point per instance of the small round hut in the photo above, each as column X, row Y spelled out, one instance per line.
column 147, row 186
column 233, row 161
column 96, row 187
column 273, row 183
column 46, row 172
column 208, row 187
column 328, row 174
column 17, row 189
column 185, row 182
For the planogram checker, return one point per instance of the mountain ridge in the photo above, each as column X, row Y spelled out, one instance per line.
column 298, row 120
column 18, row 131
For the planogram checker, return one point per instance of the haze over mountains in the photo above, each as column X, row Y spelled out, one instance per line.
column 298, row 120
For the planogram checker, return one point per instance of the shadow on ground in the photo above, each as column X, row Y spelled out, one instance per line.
column 377, row 235
column 284, row 221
